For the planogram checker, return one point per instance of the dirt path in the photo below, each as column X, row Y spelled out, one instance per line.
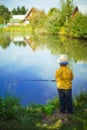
column 55, row 117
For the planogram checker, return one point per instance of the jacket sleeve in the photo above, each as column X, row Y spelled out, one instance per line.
column 56, row 76
column 72, row 75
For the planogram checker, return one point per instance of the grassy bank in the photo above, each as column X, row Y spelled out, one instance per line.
column 13, row 116
column 25, row 29
column 42, row 31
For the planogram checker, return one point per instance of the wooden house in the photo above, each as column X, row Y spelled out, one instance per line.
column 16, row 20
column 30, row 13
column 22, row 19
column 74, row 11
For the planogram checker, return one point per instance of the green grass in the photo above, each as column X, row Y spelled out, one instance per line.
column 13, row 116
column 26, row 29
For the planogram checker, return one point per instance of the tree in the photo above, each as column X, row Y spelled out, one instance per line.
column 23, row 10
column 52, row 23
column 14, row 11
column 19, row 10
column 78, row 25
column 52, row 11
column 37, row 20
column 66, row 10
column 4, row 13
column 1, row 20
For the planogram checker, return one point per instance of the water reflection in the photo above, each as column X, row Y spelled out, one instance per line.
column 34, row 57
column 57, row 45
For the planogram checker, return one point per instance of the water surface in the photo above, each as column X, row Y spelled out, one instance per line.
column 23, row 58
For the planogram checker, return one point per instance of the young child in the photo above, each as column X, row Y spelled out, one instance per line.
column 64, row 77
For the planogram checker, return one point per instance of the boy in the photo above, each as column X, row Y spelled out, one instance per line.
column 64, row 77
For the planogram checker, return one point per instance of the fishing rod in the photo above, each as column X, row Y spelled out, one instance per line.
column 36, row 80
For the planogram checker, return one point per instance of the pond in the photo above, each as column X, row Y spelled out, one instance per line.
column 24, row 58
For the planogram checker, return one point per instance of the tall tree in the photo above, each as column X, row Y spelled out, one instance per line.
column 23, row 10
column 78, row 26
column 18, row 10
column 1, row 20
column 52, row 23
column 52, row 11
column 37, row 20
column 14, row 11
column 66, row 10
column 4, row 13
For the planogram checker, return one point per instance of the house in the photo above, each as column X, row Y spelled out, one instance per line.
column 29, row 15
column 17, row 20
column 28, row 40
column 74, row 11
column 20, row 17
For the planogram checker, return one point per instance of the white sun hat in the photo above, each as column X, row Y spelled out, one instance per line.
column 63, row 59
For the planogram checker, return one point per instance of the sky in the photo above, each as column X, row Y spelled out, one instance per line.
column 42, row 4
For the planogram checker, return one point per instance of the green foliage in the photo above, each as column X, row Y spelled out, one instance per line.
column 66, row 10
column 35, row 108
column 51, row 106
column 9, row 107
column 4, row 13
column 15, row 117
column 54, row 102
column 49, row 109
column 52, row 23
column 78, row 25
column 81, row 100
column 37, row 20
column 52, row 11
column 18, row 10
column 1, row 20
column 5, row 42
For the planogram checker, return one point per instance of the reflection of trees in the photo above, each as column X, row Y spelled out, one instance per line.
column 20, row 43
column 5, row 42
column 75, row 48
column 40, row 42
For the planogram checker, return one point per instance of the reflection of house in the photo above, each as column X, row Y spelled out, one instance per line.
column 22, row 19
column 24, row 40
column 18, row 39
column 30, row 43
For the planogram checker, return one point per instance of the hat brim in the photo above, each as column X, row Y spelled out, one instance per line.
column 64, row 63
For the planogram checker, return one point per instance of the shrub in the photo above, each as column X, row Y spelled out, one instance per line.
column 9, row 107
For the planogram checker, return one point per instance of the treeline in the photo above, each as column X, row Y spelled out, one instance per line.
column 60, row 22
column 56, row 21
column 55, row 44
column 4, row 14
column 18, row 10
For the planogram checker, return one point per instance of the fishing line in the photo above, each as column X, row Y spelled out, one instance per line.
column 36, row 80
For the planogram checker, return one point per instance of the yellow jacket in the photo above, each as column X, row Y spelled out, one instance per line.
column 64, row 77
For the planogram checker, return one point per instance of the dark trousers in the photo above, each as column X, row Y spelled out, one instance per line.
column 65, row 98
